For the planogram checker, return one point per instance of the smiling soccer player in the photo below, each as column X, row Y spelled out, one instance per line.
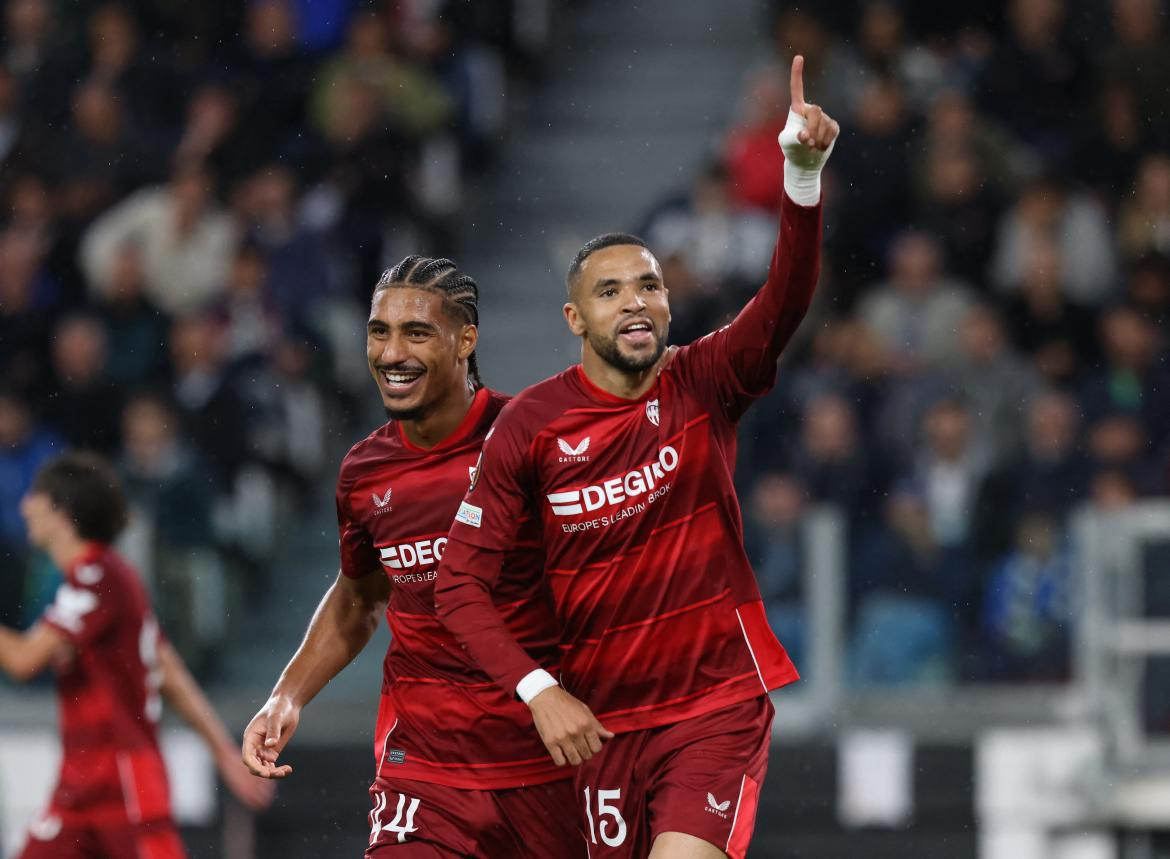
column 459, row 770
column 626, row 460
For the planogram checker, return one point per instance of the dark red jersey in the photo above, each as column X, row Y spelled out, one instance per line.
column 442, row 719
column 661, row 618
column 111, row 770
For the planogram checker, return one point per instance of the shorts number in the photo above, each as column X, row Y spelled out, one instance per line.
column 604, row 809
column 403, row 821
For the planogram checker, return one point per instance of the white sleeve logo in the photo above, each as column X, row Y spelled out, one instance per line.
column 71, row 605
column 469, row 514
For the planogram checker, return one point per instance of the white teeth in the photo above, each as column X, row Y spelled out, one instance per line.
column 400, row 378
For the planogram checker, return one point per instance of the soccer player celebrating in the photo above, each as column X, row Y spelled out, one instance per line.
column 460, row 772
column 114, row 669
column 626, row 460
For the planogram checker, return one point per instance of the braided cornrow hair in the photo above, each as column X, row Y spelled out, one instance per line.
column 460, row 293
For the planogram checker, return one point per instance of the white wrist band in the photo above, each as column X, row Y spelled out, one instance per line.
column 802, row 163
column 803, row 186
column 534, row 683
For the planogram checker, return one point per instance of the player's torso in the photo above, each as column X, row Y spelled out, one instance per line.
column 110, row 705
column 442, row 718
column 641, row 526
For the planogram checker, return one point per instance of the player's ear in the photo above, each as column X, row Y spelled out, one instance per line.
column 573, row 317
column 468, row 338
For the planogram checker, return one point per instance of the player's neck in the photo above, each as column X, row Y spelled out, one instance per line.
column 620, row 383
column 442, row 420
column 65, row 550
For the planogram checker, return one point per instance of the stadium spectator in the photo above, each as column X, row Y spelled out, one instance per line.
column 1056, row 334
column 995, row 381
column 1048, row 477
column 185, row 240
column 753, row 160
column 137, row 329
column 775, row 546
column 917, row 311
column 82, row 404
column 24, row 446
column 1028, row 607
column 1144, row 219
column 722, row 244
column 1048, row 210
column 1035, row 77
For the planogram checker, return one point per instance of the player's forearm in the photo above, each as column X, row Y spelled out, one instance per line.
column 184, row 696
column 782, row 303
column 464, row 605
column 24, row 655
column 341, row 627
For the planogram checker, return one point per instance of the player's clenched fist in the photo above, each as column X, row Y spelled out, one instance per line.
column 570, row 731
column 267, row 735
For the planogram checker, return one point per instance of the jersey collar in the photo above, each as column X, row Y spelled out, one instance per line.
column 479, row 404
column 604, row 396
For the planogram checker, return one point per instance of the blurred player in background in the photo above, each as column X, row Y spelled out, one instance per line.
column 460, row 771
column 114, row 670
column 627, row 461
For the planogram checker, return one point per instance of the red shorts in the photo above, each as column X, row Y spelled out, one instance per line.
column 700, row 776
column 50, row 838
column 420, row 820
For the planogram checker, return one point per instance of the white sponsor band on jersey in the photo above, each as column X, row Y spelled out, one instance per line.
column 469, row 514
column 420, row 553
column 616, row 490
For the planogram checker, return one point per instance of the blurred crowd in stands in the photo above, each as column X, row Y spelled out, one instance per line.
column 988, row 351
column 195, row 199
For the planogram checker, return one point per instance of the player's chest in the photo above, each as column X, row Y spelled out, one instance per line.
column 408, row 510
column 599, row 468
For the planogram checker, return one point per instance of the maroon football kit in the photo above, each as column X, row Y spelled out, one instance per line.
column 111, row 799
column 447, row 735
column 660, row 614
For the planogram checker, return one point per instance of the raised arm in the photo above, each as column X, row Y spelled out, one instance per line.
column 342, row 625
column 740, row 359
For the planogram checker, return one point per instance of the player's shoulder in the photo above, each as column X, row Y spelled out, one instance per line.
column 380, row 446
column 527, row 413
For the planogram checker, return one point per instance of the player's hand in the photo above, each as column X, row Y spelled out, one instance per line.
column 810, row 133
column 253, row 793
column 267, row 735
column 570, row 731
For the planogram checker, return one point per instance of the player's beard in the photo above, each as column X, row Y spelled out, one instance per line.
column 609, row 351
column 414, row 413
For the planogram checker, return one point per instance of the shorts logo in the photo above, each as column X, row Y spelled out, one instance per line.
column 469, row 514
column 652, row 412
column 397, row 756
column 574, row 454
column 717, row 808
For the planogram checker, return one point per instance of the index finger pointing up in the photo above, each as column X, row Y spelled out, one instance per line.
column 796, row 84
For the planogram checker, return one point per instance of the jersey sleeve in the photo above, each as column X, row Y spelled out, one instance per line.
column 358, row 556
column 484, row 530
column 735, row 365
column 83, row 612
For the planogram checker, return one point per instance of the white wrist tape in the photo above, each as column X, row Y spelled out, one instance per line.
column 534, row 683
column 802, row 163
